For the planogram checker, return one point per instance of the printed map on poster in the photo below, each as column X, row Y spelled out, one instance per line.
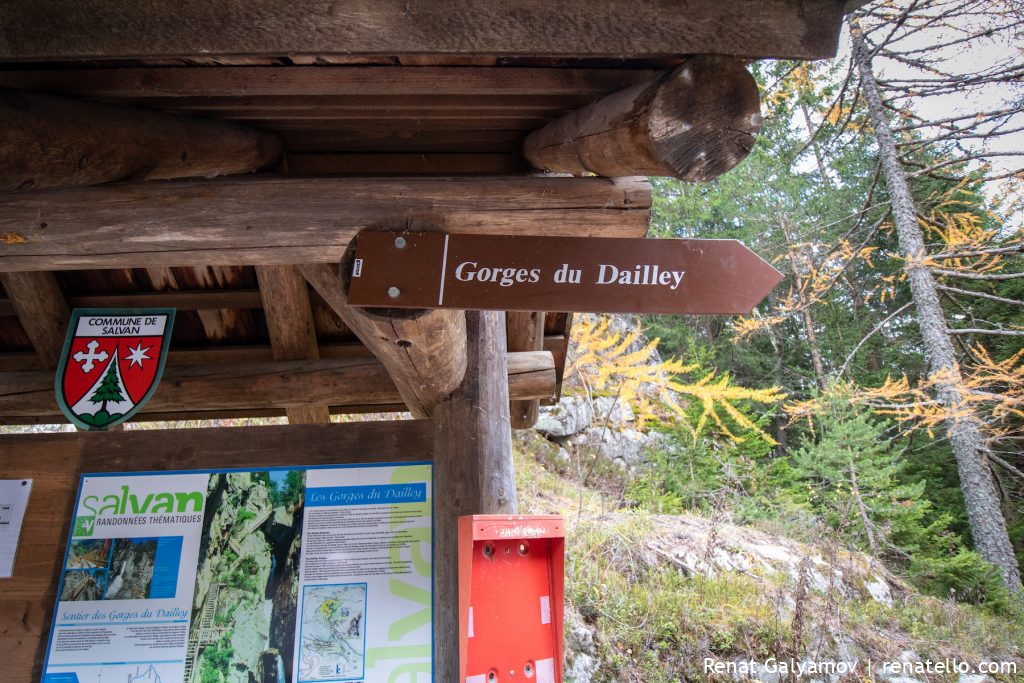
column 332, row 643
column 269, row 575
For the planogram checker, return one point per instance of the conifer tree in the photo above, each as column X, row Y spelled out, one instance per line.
column 856, row 481
column 964, row 427
column 109, row 390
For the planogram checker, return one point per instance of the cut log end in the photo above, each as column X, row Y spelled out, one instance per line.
column 705, row 118
column 694, row 124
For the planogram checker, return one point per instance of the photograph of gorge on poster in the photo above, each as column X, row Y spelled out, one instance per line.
column 243, row 610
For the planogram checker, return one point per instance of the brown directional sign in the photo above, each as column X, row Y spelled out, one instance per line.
column 600, row 275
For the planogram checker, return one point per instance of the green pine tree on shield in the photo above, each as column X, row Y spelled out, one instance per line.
column 109, row 390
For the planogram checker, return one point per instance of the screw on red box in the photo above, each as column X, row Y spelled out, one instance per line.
column 511, row 597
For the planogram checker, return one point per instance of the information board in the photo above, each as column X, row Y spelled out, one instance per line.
column 274, row 575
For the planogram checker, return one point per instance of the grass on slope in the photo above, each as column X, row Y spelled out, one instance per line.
column 656, row 624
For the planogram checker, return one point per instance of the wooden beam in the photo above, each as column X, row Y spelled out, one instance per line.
column 55, row 461
column 294, row 220
column 301, row 82
column 526, row 364
column 406, row 164
column 211, row 355
column 531, row 375
column 423, row 351
column 472, row 471
column 423, row 142
column 558, row 345
column 404, row 124
column 525, row 332
column 44, row 30
column 194, row 300
column 215, row 415
column 694, row 124
column 523, row 363
column 343, row 384
column 291, row 328
column 52, row 141
column 183, row 300
column 205, row 387
column 42, row 311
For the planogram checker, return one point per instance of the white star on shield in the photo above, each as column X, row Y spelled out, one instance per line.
column 137, row 355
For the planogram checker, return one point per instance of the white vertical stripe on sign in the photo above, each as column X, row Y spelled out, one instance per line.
column 546, row 671
column 444, row 269
column 470, row 634
column 545, row 609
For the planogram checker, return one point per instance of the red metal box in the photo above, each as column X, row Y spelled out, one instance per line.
column 511, row 598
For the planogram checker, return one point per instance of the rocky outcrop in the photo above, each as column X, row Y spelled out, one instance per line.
column 697, row 545
column 604, row 425
column 570, row 416
column 581, row 660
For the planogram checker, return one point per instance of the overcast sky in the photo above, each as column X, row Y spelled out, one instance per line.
column 977, row 55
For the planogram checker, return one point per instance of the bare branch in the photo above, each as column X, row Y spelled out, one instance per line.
column 981, row 252
column 966, row 275
column 870, row 334
column 1005, row 465
column 998, row 331
column 981, row 295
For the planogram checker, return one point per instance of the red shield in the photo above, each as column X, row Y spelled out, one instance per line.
column 111, row 364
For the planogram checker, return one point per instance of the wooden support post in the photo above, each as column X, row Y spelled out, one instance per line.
column 291, row 327
column 42, row 311
column 51, row 141
column 694, row 123
column 472, row 471
column 425, row 353
column 525, row 331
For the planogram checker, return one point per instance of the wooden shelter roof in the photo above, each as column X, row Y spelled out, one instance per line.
column 353, row 91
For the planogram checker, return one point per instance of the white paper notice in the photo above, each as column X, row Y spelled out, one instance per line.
column 13, row 501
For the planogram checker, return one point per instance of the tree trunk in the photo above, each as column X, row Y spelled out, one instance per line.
column 864, row 518
column 805, row 308
column 780, row 420
column 963, row 425
column 816, row 148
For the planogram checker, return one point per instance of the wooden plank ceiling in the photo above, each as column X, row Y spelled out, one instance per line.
column 360, row 120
